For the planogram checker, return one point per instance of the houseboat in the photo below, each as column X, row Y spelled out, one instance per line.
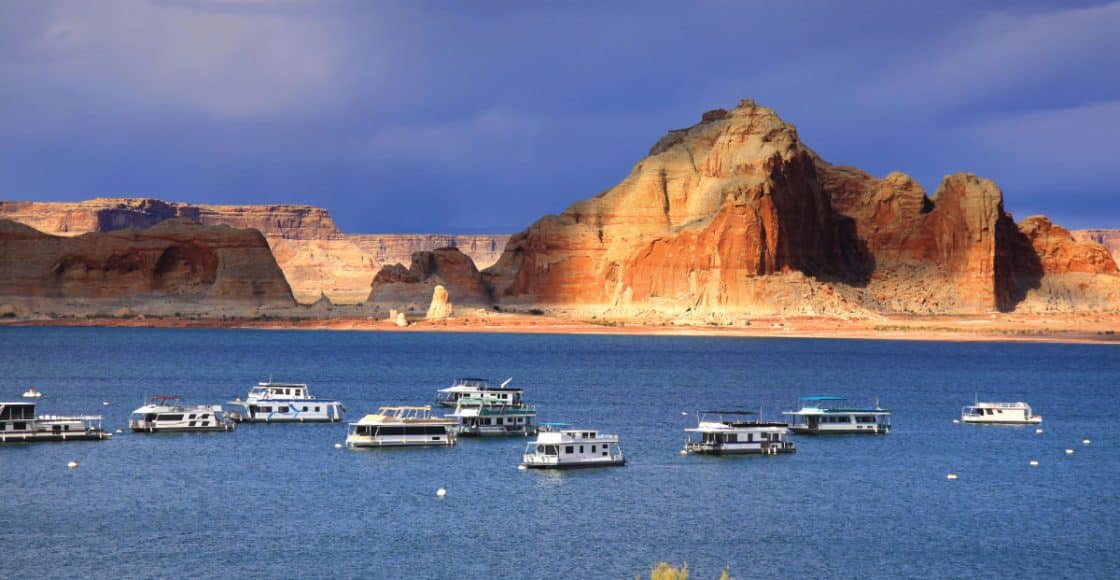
column 831, row 415
column 284, row 403
column 401, row 427
column 557, row 447
column 474, row 388
column 737, row 433
column 19, row 424
column 166, row 413
column 494, row 412
column 1000, row 414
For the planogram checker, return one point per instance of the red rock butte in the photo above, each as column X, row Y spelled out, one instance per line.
column 735, row 215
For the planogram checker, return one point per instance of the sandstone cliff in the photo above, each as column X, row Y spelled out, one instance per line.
column 412, row 288
column 736, row 215
column 1110, row 239
column 177, row 266
column 317, row 259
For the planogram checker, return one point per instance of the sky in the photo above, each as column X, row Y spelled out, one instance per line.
column 481, row 117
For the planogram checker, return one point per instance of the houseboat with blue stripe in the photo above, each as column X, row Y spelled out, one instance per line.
column 284, row 403
column 823, row 415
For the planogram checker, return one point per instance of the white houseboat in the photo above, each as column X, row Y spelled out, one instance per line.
column 831, row 415
column 733, row 433
column 1000, row 414
column 460, row 388
column 19, row 424
column 284, row 403
column 401, row 427
column 494, row 411
column 166, row 413
column 560, row 448
column 474, row 388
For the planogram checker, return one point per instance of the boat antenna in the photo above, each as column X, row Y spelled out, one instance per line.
column 506, row 382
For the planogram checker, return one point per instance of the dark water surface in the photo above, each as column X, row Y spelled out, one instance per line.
column 280, row 500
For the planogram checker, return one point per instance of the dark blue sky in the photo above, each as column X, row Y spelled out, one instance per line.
column 481, row 117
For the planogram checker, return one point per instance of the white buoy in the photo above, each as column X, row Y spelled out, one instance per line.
column 684, row 452
column 951, row 476
column 441, row 492
column 119, row 431
column 684, row 413
column 522, row 468
column 338, row 446
column 1034, row 463
column 1085, row 441
column 1038, row 431
column 956, row 421
column 105, row 403
column 72, row 464
column 1069, row 452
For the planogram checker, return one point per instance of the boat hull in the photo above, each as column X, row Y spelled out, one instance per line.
column 182, row 429
column 366, row 444
column 857, row 430
column 49, row 437
column 742, row 450
column 1031, row 421
column 576, row 465
column 297, row 411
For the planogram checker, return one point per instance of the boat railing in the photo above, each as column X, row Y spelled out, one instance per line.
column 983, row 405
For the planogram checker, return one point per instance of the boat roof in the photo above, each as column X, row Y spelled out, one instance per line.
column 554, row 424
column 838, row 411
column 823, row 398
column 711, row 426
column 272, row 384
column 729, row 412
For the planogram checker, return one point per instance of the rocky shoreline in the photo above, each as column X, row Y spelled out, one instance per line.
column 1103, row 329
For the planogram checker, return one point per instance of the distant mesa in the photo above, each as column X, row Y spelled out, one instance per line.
column 177, row 267
column 317, row 259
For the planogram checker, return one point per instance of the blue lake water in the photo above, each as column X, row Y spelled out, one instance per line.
column 280, row 500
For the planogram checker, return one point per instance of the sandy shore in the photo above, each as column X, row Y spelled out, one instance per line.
column 1103, row 328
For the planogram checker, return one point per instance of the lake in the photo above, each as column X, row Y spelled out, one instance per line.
column 280, row 500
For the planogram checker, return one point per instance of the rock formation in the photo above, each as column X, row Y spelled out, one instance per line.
column 410, row 288
column 441, row 307
column 484, row 249
column 727, row 215
column 177, row 266
column 315, row 256
column 1110, row 239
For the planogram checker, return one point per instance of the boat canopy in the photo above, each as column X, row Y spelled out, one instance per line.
column 819, row 398
column 728, row 412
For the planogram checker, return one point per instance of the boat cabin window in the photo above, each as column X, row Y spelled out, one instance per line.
column 19, row 426
column 18, row 412
column 569, row 449
column 170, row 417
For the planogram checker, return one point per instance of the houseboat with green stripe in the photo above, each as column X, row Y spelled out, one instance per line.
column 827, row 415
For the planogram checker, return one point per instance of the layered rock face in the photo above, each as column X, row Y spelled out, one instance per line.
column 1063, row 274
column 317, row 259
column 736, row 215
column 411, row 289
column 711, row 209
column 483, row 249
column 175, row 266
column 1110, row 239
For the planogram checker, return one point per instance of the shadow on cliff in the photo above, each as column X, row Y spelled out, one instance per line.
column 852, row 262
column 1018, row 267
